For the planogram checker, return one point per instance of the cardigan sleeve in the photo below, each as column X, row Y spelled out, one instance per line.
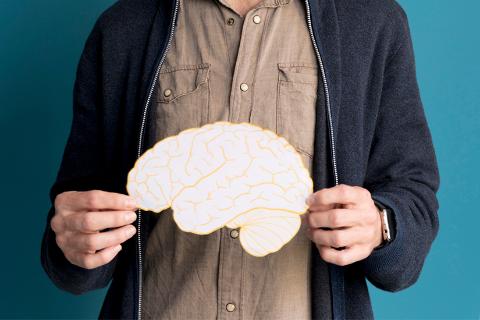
column 402, row 171
column 80, row 170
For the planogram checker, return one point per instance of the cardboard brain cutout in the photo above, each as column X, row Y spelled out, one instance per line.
column 226, row 175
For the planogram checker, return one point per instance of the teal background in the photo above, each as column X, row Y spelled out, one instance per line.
column 40, row 43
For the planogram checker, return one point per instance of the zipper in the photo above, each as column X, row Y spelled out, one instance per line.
column 139, row 153
column 327, row 92
column 334, row 271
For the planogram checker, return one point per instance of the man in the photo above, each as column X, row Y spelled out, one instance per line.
column 336, row 78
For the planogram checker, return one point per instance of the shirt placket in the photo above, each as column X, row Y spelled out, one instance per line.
column 243, row 83
column 241, row 97
column 230, row 270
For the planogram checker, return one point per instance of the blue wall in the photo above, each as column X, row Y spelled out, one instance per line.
column 40, row 43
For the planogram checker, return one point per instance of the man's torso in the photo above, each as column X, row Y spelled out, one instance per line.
column 261, row 69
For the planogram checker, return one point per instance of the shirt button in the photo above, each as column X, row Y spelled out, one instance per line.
column 244, row 87
column 230, row 307
column 167, row 93
column 257, row 19
column 230, row 21
column 234, row 233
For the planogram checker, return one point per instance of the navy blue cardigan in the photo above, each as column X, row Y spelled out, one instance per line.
column 382, row 141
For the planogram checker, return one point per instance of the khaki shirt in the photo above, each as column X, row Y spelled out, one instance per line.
column 262, row 69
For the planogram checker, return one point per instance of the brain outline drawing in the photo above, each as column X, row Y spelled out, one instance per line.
column 234, row 175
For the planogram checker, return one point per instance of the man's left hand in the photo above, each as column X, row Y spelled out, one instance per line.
column 344, row 223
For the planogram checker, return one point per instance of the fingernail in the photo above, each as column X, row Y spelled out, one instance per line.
column 118, row 248
column 309, row 200
column 130, row 203
column 130, row 231
column 130, row 216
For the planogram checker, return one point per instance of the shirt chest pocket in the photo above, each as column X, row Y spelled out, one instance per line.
column 182, row 99
column 296, row 99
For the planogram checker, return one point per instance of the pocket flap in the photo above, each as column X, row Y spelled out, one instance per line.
column 297, row 72
column 178, row 81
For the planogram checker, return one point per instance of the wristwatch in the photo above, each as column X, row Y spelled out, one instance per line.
column 387, row 223
column 387, row 237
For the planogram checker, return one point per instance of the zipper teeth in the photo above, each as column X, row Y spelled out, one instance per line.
column 327, row 93
column 139, row 153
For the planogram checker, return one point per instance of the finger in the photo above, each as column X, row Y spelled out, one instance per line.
column 94, row 260
column 95, row 200
column 340, row 194
column 57, row 223
column 314, row 205
column 338, row 238
column 98, row 241
column 96, row 221
column 333, row 218
column 343, row 257
column 61, row 239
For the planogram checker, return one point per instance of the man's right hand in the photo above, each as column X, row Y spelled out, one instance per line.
column 79, row 221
